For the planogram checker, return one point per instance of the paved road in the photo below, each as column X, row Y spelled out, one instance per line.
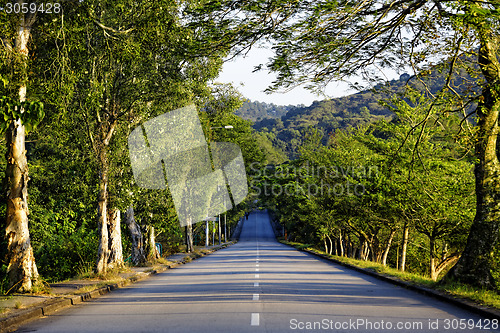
column 259, row 285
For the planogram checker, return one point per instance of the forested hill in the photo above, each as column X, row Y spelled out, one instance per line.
column 256, row 111
column 287, row 131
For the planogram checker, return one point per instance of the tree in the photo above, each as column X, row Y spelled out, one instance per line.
column 133, row 60
column 138, row 256
column 330, row 40
column 19, row 117
column 431, row 195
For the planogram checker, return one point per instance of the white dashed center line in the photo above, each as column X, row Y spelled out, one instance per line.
column 255, row 321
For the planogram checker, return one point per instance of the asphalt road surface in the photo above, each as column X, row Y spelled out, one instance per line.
column 260, row 285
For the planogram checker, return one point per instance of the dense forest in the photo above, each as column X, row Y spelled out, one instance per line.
column 256, row 111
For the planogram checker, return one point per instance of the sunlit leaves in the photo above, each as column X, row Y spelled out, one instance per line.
column 30, row 113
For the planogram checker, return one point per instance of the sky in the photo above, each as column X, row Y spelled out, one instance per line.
column 252, row 85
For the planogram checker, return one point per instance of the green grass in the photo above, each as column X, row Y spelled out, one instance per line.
column 111, row 273
column 163, row 261
column 381, row 269
column 299, row 246
column 484, row 297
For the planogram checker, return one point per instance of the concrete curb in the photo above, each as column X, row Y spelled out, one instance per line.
column 481, row 310
column 51, row 306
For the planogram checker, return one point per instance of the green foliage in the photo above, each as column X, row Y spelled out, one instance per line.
column 370, row 182
column 30, row 113
column 4, row 282
column 63, row 254
column 63, row 185
column 219, row 111
column 257, row 111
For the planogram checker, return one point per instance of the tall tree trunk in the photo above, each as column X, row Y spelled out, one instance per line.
column 363, row 251
column 138, row 257
column 432, row 258
column 475, row 264
column 331, row 244
column 349, row 247
column 371, row 250
column 21, row 269
column 367, row 251
column 151, row 251
column 341, row 244
column 106, row 128
column 404, row 247
column 207, row 234
column 213, row 235
column 102, row 202
column 388, row 247
column 225, row 228
column 189, row 237
column 446, row 262
column 220, row 230
column 115, row 240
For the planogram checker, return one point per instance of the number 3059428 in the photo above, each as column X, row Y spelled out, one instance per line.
column 25, row 8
